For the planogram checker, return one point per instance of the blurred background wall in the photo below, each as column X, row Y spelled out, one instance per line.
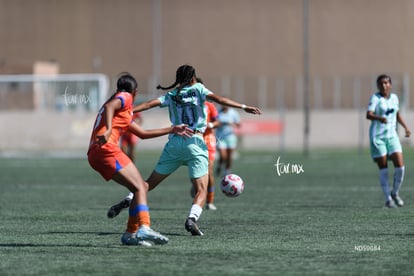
column 250, row 50
column 234, row 37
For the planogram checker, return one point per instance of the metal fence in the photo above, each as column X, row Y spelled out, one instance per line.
column 72, row 92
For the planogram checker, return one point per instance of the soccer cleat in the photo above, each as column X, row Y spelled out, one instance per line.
column 211, row 206
column 390, row 204
column 145, row 233
column 117, row 208
column 131, row 239
column 397, row 200
column 192, row 227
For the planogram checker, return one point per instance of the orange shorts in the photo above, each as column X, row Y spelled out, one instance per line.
column 210, row 140
column 107, row 159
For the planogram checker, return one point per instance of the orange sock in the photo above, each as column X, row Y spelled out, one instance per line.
column 137, row 217
column 132, row 225
column 210, row 194
column 144, row 218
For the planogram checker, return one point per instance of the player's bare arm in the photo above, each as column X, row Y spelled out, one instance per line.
column 400, row 120
column 147, row 105
column 226, row 101
column 181, row 130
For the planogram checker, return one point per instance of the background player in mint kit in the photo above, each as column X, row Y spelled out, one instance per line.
column 229, row 120
column 383, row 111
column 185, row 102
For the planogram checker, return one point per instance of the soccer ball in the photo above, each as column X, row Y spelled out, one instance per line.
column 232, row 185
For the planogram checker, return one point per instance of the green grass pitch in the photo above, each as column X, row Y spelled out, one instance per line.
column 323, row 216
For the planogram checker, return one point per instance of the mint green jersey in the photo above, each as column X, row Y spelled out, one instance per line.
column 385, row 108
column 187, row 107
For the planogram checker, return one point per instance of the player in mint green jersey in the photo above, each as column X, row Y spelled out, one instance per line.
column 185, row 102
column 383, row 111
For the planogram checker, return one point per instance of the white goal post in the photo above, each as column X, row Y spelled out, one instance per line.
column 53, row 92
column 43, row 113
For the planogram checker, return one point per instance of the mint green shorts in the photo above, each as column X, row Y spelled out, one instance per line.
column 184, row 151
column 227, row 142
column 385, row 146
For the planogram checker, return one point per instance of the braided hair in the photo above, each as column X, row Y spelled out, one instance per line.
column 183, row 77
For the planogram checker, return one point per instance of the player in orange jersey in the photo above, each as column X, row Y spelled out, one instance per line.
column 211, row 142
column 210, row 139
column 107, row 158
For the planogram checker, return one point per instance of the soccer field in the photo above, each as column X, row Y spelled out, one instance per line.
column 323, row 214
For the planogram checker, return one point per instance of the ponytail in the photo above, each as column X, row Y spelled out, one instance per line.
column 183, row 78
column 168, row 87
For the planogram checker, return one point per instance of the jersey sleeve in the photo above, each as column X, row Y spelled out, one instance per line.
column 164, row 100
column 120, row 97
column 373, row 101
column 126, row 99
column 396, row 103
column 204, row 91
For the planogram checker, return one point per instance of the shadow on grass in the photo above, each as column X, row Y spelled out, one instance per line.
column 20, row 245
column 84, row 232
column 395, row 234
column 101, row 233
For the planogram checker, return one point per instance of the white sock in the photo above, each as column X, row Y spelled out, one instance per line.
column 398, row 179
column 195, row 212
column 384, row 183
column 130, row 196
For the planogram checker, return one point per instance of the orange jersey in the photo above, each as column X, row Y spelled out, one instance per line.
column 120, row 122
column 212, row 114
